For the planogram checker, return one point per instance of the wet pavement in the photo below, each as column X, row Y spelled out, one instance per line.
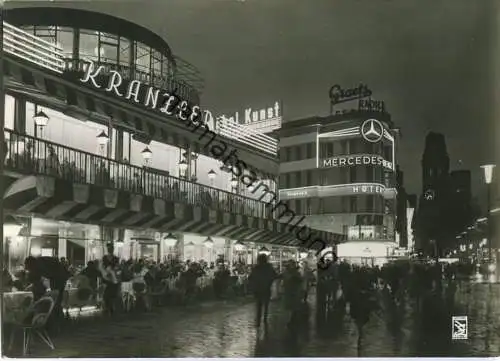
column 227, row 329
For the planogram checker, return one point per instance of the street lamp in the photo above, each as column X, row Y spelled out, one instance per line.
column 488, row 178
column 170, row 240
column 209, row 243
column 41, row 119
column 147, row 154
column 211, row 176
column 238, row 246
column 182, row 167
column 234, row 182
column 265, row 251
column 102, row 140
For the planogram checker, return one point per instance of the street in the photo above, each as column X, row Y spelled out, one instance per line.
column 226, row 329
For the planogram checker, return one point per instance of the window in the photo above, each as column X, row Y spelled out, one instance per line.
column 89, row 45
column 309, row 174
column 298, row 153
column 309, row 150
column 124, row 55
column 282, row 182
column 288, row 154
column 47, row 33
column 108, row 48
column 353, row 204
column 370, row 173
column 329, row 149
column 156, row 63
column 143, row 58
column 353, row 174
column 298, row 179
column 65, row 40
column 370, row 203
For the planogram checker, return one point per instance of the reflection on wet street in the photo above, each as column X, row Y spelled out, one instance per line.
column 227, row 329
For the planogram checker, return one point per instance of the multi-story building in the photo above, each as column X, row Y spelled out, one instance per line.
column 338, row 172
column 95, row 153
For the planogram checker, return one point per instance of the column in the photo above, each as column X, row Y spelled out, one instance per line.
column 227, row 252
column 63, row 243
column 119, row 145
column 180, row 246
column 20, row 116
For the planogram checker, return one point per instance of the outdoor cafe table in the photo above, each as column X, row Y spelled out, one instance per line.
column 15, row 305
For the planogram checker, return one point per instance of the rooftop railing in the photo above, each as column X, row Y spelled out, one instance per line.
column 31, row 48
column 29, row 155
column 49, row 55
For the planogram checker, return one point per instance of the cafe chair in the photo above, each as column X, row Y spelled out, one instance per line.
column 34, row 323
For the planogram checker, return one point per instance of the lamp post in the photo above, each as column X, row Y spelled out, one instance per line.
column 102, row 140
column 488, row 178
column 41, row 120
column 147, row 155
column 211, row 177
column 234, row 184
column 209, row 243
column 182, row 168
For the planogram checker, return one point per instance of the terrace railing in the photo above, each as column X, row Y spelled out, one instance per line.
column 32, row 49
column 29, row 155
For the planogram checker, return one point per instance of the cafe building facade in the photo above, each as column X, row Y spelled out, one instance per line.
column 85, row 165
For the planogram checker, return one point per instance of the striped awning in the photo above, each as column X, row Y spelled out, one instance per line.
column 80, row 102
column 53, row 198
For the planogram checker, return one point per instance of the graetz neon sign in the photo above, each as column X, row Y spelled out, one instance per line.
column 353, row 160
column 339, row 95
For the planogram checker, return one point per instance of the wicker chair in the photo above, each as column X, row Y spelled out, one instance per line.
column 34, row 323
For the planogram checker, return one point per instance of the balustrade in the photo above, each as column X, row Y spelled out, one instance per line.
column 28, row 155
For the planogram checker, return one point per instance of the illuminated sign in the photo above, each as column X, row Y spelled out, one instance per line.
column 353, row 160
column 372, row 130
column 371, row 105
column 337, row 190
column 251, row 116
column 263, row 120
column 368, row 188
column 170, row 104
column 339, row 95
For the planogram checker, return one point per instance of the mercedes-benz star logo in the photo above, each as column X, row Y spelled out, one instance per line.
column 372, row 130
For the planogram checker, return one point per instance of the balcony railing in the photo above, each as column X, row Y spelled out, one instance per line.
column 31, row 48
column 29, row 155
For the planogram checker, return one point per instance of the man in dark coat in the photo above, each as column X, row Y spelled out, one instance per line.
column 52, row 269
column 260, row 281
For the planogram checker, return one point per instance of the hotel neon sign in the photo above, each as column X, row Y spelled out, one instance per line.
column 337, row 190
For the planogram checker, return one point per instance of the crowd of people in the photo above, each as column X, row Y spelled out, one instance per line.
column 339, row 285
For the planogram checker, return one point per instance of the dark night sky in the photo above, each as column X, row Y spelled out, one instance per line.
column 430, row 60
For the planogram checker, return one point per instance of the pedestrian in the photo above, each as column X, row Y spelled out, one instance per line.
column 260, row 282
column 52, row 269
column 109, row 275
